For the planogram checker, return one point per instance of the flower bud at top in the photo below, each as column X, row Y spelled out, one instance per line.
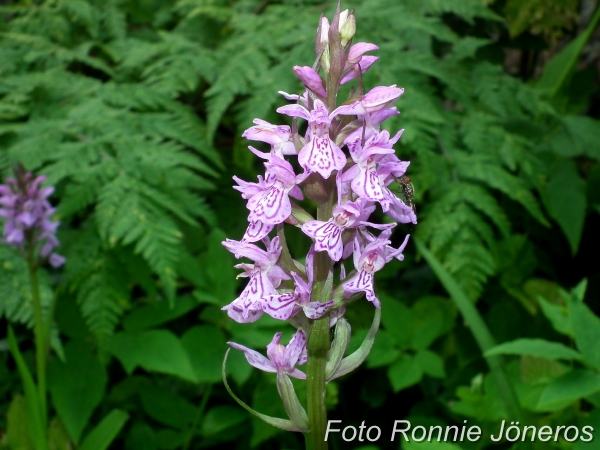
column 347, row 27
column 322, row 43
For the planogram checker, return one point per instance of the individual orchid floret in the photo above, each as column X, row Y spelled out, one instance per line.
column 284, row 306
column 320, row 154
column 328, row 235
column 359, row 69
column 268, row 200
column 358, row 50
column 280, row 359
column 365, row 180
column 311, row 80
column 265, row 275
column 370, row 260
column 376, row 168
column 278, row 136
column 369, row 124
column 27, row 215
column 375, row 100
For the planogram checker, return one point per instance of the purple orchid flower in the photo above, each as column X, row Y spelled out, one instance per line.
column 281, row 359
column 278, row 136
column 356, row 63
column 284, row 306
column 311, row 80
column 328, row 235
column 320, row 154
column 268, row 200
column 376, row 167
column 375, row 100
column 265, row 275
column 27, row 212
column 370, row 260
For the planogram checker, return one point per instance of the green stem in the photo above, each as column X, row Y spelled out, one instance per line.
column 39, row 331
column 318, row 345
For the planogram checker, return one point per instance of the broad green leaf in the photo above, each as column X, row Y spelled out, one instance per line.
column 205, row 346
column 77, row 386
column 167, row 407
column 58, row 437
column 220, row 276
column 557, row 71
column 405, row 372
column 157, row 313
column 17, row 432
column 105, row 432
column 539, row 369
column 431, row 363
column 534, row 347
column 153, row 350
column 141, row 436
column 586, row 328
column 397, row 321
column 220, row 418
column 585, row 134
column 565, row 199
column 568, row 388
column 384, row 351
column 557, row 315
column 432, row 317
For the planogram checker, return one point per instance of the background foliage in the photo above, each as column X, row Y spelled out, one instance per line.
column 134, row 109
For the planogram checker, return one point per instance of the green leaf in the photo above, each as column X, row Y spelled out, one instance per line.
column 557, row 71
column 167, row 407
column 586, row 328
column 480, row 331
column 17, row 432
column 568, row 388
column 534, row 347
column 205, row 344
column 153, row 350
column 158, row 313
column 565, row 199
column 141, row 436
column 557, row 315
column 105, row 432
column 217, row 264
column 430, row 363
column 405, row 372
column 35, row 415
column 220, row 418
column 77, row 386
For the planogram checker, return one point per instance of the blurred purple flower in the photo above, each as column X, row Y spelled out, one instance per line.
column 27, row 214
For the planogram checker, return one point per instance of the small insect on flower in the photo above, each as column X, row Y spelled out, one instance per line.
column 408, row 192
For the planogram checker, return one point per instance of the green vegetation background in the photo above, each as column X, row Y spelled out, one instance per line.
column 134, row 109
